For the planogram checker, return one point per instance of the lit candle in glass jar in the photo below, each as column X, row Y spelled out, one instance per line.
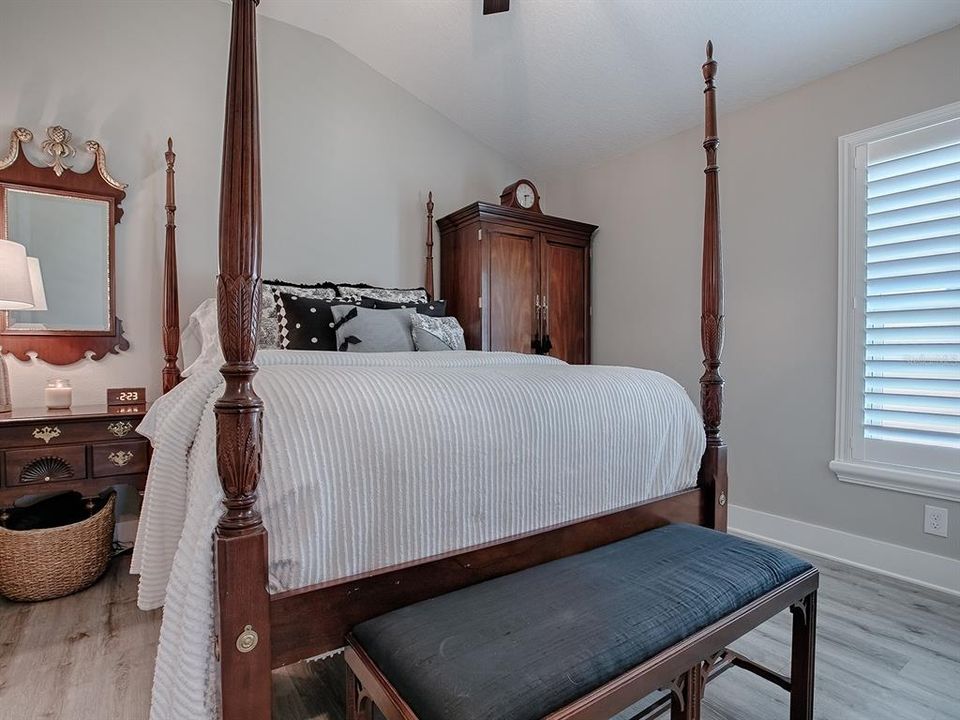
column 58, row 394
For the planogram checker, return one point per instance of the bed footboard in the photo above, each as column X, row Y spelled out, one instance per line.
column 314, row 620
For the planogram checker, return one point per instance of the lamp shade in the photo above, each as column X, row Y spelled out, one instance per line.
column 36, row 284
column 15, row 290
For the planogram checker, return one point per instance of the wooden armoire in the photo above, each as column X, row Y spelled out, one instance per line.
column 518, row 280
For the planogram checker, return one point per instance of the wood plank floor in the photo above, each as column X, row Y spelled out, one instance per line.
column 887, row 651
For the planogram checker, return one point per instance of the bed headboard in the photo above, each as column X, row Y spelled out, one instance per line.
column 170, row 313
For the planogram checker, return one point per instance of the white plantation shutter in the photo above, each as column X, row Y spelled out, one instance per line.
column 912, row 305
column 898, row 399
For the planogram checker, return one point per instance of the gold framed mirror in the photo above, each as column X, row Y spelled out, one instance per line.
column 66, row 217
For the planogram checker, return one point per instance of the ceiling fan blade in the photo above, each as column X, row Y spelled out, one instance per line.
column 495, row 6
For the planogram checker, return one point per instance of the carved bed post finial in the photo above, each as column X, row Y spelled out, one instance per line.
column 428, row 280
column 713, row 473
column 243, row 603
column 171, row 296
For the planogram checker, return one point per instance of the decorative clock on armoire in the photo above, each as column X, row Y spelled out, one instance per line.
column 516, row 278
column 521, row 194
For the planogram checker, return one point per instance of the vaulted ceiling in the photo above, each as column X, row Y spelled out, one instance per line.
column 562, row 82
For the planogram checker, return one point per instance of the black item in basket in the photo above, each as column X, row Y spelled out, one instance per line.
column 52, row 512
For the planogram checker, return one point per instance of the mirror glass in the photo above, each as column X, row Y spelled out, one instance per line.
column 70, row 236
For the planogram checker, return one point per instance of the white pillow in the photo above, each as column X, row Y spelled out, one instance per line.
column 203, row 328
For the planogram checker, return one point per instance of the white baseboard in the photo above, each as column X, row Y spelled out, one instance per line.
column 915, row 566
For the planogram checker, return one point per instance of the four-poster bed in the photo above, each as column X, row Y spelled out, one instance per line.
column 256, row 630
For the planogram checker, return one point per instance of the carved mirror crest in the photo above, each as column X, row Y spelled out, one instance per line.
column 64, row 210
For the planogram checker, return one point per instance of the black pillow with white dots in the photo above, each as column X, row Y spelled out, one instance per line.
column 308, row 323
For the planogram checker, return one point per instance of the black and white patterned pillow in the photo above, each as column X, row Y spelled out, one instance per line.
column 306, row 323
column 436, row 333
column 397, row 295
column 269, row 332
column 434, row 308
column 367, row 330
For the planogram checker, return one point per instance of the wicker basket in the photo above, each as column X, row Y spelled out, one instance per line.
column 53, row 562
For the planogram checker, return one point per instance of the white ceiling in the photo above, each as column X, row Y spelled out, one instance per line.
column 561, row 82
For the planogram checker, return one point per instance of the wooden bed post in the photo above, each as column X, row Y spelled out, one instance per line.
column 428, row 279
column 243, row 602
column 713, row 468
column 171, row 294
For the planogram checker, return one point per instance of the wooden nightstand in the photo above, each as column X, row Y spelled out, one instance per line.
column 87, row 448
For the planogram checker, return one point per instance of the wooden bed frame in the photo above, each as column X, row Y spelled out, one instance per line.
column 258, row 631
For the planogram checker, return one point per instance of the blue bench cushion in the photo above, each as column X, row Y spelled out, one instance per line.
column 523, row 645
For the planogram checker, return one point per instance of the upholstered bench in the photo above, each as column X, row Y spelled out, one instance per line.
column 588, row 635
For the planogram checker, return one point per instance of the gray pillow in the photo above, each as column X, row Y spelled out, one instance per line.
column 436, row 333
column 366, row 330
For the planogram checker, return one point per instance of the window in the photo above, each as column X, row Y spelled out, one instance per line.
column 898, row 390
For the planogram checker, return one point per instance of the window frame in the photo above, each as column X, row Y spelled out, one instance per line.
column 850, row 463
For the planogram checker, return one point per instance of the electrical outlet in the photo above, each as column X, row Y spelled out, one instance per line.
column 935, row 520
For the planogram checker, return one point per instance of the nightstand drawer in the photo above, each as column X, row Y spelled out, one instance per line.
column 51, row 432
column 38, row 466
column 121, row 458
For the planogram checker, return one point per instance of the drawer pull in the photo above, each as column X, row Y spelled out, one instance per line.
column 120, row 428
column 120, row 457
column 46, row 433
column 46, row 469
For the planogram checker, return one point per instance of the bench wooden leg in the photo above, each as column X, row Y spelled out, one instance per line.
column 803, row 655
column 359, row 705
column 686, row 693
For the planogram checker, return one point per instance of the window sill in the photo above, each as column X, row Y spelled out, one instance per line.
column 928, row 483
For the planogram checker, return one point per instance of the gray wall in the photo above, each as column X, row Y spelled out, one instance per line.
column 347, row 155
column 778, row 179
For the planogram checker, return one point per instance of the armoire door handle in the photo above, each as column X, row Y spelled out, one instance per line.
column 535, row 342
column 545, row 344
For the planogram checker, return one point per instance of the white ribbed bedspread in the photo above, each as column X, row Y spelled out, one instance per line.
column 376, row 459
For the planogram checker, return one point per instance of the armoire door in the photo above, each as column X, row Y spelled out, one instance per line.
column 564, row 282
column 514, row 285
column 462, row 261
